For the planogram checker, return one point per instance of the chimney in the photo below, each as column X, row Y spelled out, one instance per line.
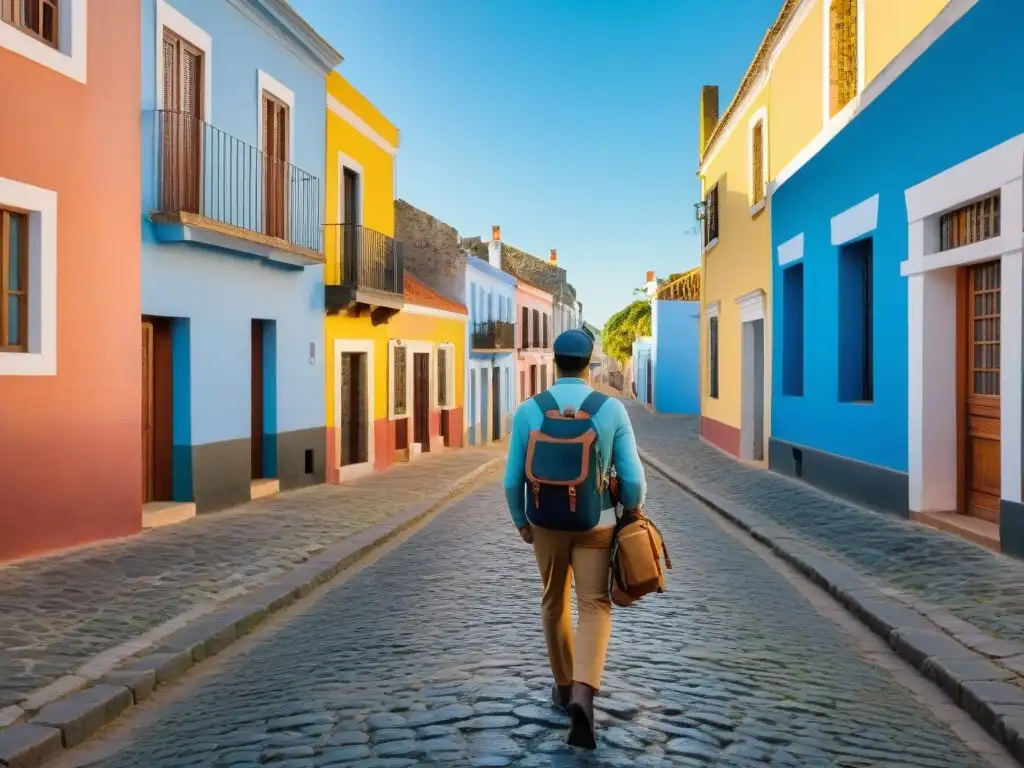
column 554, row 257
column 708, row 115
column 650, row 277
column 494, row 248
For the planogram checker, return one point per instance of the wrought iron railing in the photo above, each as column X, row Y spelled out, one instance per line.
column 206, row 172
column 686, row 287
column 363, row 258
column 494, row 334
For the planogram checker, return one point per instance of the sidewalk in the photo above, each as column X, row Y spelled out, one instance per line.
column 58, row 613
column 913, row 563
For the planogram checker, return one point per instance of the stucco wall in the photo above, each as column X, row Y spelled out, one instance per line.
column 70, row 463
column 851, row 169
column 675, row 354
column 484, row 282
column 431, row 249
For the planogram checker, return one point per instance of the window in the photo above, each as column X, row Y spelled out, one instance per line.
column 446, row 376
column 545, row 338
column 711, row 216
column 856, row 319
column 970, row 224
column 399, row 380
column 536, row 328
column 713, row 357
column 181, row 125
column 275, row 159
column 13, row 281
column 37, row 18
column 525, row 322
column 793, row 330
column 842, row 49
column 757, row 161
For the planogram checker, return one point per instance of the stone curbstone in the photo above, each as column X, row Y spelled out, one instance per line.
column 27, row 745
column 967, row 676
column 83, row 713
column 75, row 712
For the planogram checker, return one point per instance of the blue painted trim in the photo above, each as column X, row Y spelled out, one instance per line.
column 181, row 410
column 270, row 398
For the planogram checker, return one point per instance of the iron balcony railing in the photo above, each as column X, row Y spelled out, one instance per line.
column 364, row 259
column 205, row 172
column 494, row 334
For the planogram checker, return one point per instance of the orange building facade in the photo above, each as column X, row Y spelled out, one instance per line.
column 69, row 276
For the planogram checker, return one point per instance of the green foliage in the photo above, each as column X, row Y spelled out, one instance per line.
column 624, row 326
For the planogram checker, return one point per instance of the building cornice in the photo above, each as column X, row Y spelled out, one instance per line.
column 280, row 20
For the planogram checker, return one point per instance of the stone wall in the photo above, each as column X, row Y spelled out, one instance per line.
column 431, row 250
column 537, row 272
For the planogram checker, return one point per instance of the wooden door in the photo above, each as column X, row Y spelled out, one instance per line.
column 147, row 413
column 533, row 380
column 496, row 403
column 181, row 125
column 354, row 427
column 980, row 396
column 350, row 218
column 522, row 386
column 421, row 399
column 275, row 157
column 256, row 375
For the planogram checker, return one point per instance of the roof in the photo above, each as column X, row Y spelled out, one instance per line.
column 424, row 296
column 756, row 66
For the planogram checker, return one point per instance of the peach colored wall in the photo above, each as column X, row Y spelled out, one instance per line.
column 70, row 444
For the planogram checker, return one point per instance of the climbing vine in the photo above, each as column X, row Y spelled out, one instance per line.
column 624, row 326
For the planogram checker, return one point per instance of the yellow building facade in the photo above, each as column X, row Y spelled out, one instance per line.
column 802, row 86
column 395, row 348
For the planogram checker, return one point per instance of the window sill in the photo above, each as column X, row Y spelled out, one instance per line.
column 709, row 246
column 758, row 207
column 27, row 364
column 71, row 64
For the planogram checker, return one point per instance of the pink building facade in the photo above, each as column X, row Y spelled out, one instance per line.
column 535, row 369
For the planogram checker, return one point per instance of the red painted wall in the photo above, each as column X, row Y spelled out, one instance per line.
column 70, row 444
column 725, row 437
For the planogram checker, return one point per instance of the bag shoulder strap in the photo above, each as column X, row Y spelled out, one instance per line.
column 593, row 402
column 546, row 402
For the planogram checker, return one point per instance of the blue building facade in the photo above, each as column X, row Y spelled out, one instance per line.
column 232, row 259
column 642, row 361
column 896, row 376
column 490, row 396
column 675, row 356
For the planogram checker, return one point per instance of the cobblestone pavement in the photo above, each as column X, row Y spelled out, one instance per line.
column 58, row 612
column 433, row 656
column 972, row 583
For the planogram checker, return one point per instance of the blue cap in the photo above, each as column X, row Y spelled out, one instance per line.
column 574, row 343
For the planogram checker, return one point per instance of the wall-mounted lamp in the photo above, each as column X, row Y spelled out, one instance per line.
column 700, row 210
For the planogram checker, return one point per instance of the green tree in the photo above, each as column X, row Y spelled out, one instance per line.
column 624, row 326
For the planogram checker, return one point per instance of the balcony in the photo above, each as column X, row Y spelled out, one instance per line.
column 494, row 336
column 685, row 287
column 214, row 189
column 365, row 270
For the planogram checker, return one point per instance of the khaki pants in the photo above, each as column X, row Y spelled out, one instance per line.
column 564, row 557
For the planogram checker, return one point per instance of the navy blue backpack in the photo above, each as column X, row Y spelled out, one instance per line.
column 566, row 478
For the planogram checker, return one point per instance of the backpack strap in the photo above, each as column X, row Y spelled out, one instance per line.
column 546, row 402
column 592, row 404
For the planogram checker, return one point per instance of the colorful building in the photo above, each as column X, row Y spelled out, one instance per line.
column 675, row 344
column 490, row 342
column 534, row 361
column 803, row 85
column 906, row 394
column 394, row 379
column 69, row 277
column 232, row 252
column 642, row 365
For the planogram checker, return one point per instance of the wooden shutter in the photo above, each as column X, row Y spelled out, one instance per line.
column 170, row 73
column 713, row 356
column 400, row 384
column 757, row 150
column 442, row 376
column 842, row 53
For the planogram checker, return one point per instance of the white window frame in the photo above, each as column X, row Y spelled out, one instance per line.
column 933, row 441
column 70, row 57
column 843, row 115
column 450, row 378
column 266, row 82
column 760, row 116
column 344, row 161
column 169, row 17
column 41, row 204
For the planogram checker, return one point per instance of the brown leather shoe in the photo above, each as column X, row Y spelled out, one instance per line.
column 560, row 695
column 581, row 716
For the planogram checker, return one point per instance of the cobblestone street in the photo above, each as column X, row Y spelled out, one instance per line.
column 58, row 612
column 972, row 583
column 433, row 656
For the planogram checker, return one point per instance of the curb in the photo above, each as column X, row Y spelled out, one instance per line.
column 70, row 720
column 974, row 683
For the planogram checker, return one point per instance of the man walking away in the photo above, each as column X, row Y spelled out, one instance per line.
column 556, row 483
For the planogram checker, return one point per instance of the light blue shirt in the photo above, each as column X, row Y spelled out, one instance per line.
column 614, row 438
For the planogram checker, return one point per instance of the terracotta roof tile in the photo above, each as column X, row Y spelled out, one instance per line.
column 422, row 295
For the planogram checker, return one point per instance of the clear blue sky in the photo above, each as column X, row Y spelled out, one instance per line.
column 571, row 123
